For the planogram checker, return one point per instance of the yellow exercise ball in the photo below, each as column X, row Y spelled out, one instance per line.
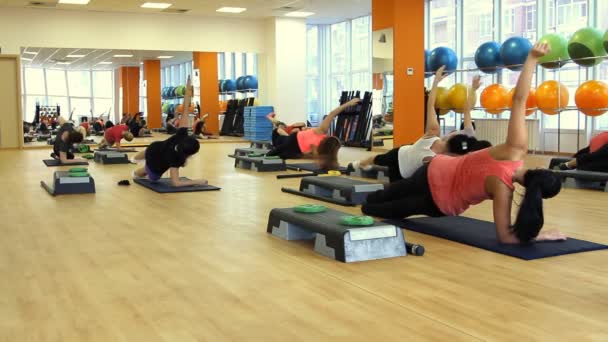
column 457, row 96
column 442, row 104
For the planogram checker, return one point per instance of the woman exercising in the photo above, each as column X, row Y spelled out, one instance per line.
column 314, row 142
column 403, row 161
column 280, row 129
column 114, row 135
column 592, row 158
column 136, row 125
column 199, row 129
column 448, row 185
column 67, row 136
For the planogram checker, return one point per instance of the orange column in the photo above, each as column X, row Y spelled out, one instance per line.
column 408, row 101
column 129, row 81
column 206, row 62
column 153, row 101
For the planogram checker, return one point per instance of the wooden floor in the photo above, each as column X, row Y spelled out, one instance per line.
column 127, row 264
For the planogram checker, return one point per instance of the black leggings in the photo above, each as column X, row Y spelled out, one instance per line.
column 391, row 160
column 596, row 161
column 406, row 197
column 287, row 148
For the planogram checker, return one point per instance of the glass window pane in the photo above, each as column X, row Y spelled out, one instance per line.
column 519, row 19
column 312, row 86
column 228, row 61
column 102, row 84
column 30, row 106
column 338, row 84
column 338, row 48
column 312, row 50
column 102, row 106
column 81, row 107
column 252, row 64
column 478, row 24
column 360, row 44
column 62, row 102
column 79, row 83
column 571, row 76
column 238, row 65
column 571, row 15
column 602, row 8
column 362, row 81
column 34, row 81
column 443, row 23
column 55, row 82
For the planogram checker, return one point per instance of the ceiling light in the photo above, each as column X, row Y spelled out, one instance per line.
column 123, row 56
column 231, row 9
column 74, row 2
column 299, row 14
column 160, row 5
column 104, row 63
column 164, row 57
column 27, row 59
column 63, row 63
column 29, row 53
column 75, row 56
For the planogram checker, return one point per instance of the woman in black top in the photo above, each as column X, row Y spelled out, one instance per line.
column 63, row 148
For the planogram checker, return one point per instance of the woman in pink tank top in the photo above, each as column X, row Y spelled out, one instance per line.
column 592, row 158
column 449, row 185
column 314, row 142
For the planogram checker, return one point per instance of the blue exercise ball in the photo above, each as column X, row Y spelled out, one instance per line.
column 487, row 57
column 220, row 85
column 239, row 83
column 171, row 109
column 250, row 82
column 427, row 67
column 229, row 85
column 443, row 56
column 514, row 52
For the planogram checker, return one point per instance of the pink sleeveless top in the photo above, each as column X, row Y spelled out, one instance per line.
column 307, row 138
column 459, row 182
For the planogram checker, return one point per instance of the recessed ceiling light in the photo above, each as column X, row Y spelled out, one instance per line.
column 104, row 63
column 75, row 56
column 29, row 53
column 63, row 63
column 26, row 59
column 123, row 56
column 74, row 2
column 160, row 5
column 299, row 14
column 231, row 9
column 164, row 57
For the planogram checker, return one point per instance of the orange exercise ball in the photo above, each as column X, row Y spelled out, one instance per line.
column 457, row 96
column 551, row 96
column 442, row 105
column 494, row 99
column 180, row 108
column 530, row 103
column 590, row 96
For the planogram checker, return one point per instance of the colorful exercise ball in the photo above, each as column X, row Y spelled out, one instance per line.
column 494, row 98
column 165, row 108
column 551, row 97
column 229, row 86
column 530, row 103
column 250, row 82
column 586, row 43
column 487, row 57
column 558, row 54
column 239, row 83
column 427, row 67
column 457, row 96
column 606, row 41
column 180, row 108
column 443, row 56
column 442, row 103
column 591, row 98
column 514, row 52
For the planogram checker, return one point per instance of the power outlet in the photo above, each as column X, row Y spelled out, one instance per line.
column 410, row 71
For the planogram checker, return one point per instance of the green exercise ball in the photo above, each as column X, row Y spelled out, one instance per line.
column 166, row 108
column 606, row 41
column 558, row 55
column 586, row 42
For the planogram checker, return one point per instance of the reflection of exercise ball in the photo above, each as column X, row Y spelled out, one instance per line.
column 487, row 57
column 239, row 83
column 592, row 94
column 494, row 98
column 443, row 56
column 180, row 108
column 165, row 108
column 219, row 85
column 229, row 85
column 427, row 67
column 514, row 52
column 457, row 96
column 530, row 103
column 250, row 82
column 584, row 43
column 442, row 103
column 559, row 51
column 606, row 41
column 171, row 109
column 551, row 96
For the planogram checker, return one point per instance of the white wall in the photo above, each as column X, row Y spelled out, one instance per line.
column 382, row 50
column 21, row 27
column 567, row 141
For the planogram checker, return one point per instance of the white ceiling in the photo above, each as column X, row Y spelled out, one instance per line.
column 326, row 11
column 49, row 58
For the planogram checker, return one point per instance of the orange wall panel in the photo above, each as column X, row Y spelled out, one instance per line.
column 383, row 13
column 129, row 81
column 206, row 62
column 153, row 92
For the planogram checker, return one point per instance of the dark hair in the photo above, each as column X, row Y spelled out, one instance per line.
column 198, row 128
column 480, row 145
column 539, row 183
column 461, row 144
column 75, row 137
column 186, row 147
column 328, row 153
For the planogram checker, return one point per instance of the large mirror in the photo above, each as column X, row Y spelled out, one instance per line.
column 383, row 89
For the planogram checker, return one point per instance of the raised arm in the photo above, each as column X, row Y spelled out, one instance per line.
column 432, row 125
column 468, row 123
column 187, row 100
column 324, row 126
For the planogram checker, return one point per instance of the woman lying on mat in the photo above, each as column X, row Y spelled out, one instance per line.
column 403, row 161
column 314, row 142
column 280, row 129
column 593, row 157
column 199, row 129
column 67, row 136
column 448, row 185
column 170, row 154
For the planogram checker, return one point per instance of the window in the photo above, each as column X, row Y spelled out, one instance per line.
column 251, row 64
column 509, row 21
column 519, row 19
column 312, row 46
column 312, row 71
column 80, row 107
column 360, row 45
column 239, row 67
column 34, row 81
column 79, row 83
column 530, row 18
column 103, row 83
column 478, row 25
column 339, row 61
column 55, row 81
column 601, row 123
column 443, row 23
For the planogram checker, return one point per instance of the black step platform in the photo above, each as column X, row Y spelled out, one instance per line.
column 63, row 184
column 578, row 179
column 259, row 164
column 261, row 144
column 249, row 150
column 111, row 158
column 57, row 162
column 337, row 241
column 112, row 149
column 311, row 167
column 377, row 172
column 337, row 190
column 555, row 162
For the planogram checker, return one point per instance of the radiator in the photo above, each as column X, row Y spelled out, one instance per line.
column 495, row 131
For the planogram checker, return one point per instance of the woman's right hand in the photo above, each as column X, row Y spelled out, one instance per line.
column 440, row 75
column 539, row 50
column 202, row 182
column 551, row 235
column 353, row 102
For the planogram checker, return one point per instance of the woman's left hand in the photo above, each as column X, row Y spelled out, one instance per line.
column 551, row 235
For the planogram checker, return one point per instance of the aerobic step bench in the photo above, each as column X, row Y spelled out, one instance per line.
column 261, row 144
column 111, row 158
column 337, row 241
column 248, row 151
column 578, row 179
column 259, row 164
column 379, row 173
column 63, row 184
column 337, row 190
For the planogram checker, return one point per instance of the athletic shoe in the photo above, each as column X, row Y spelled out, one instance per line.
column 357, row 165
column 54, row 156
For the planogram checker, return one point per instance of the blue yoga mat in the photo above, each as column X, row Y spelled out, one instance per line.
column 164, row 186
column 482, row 234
